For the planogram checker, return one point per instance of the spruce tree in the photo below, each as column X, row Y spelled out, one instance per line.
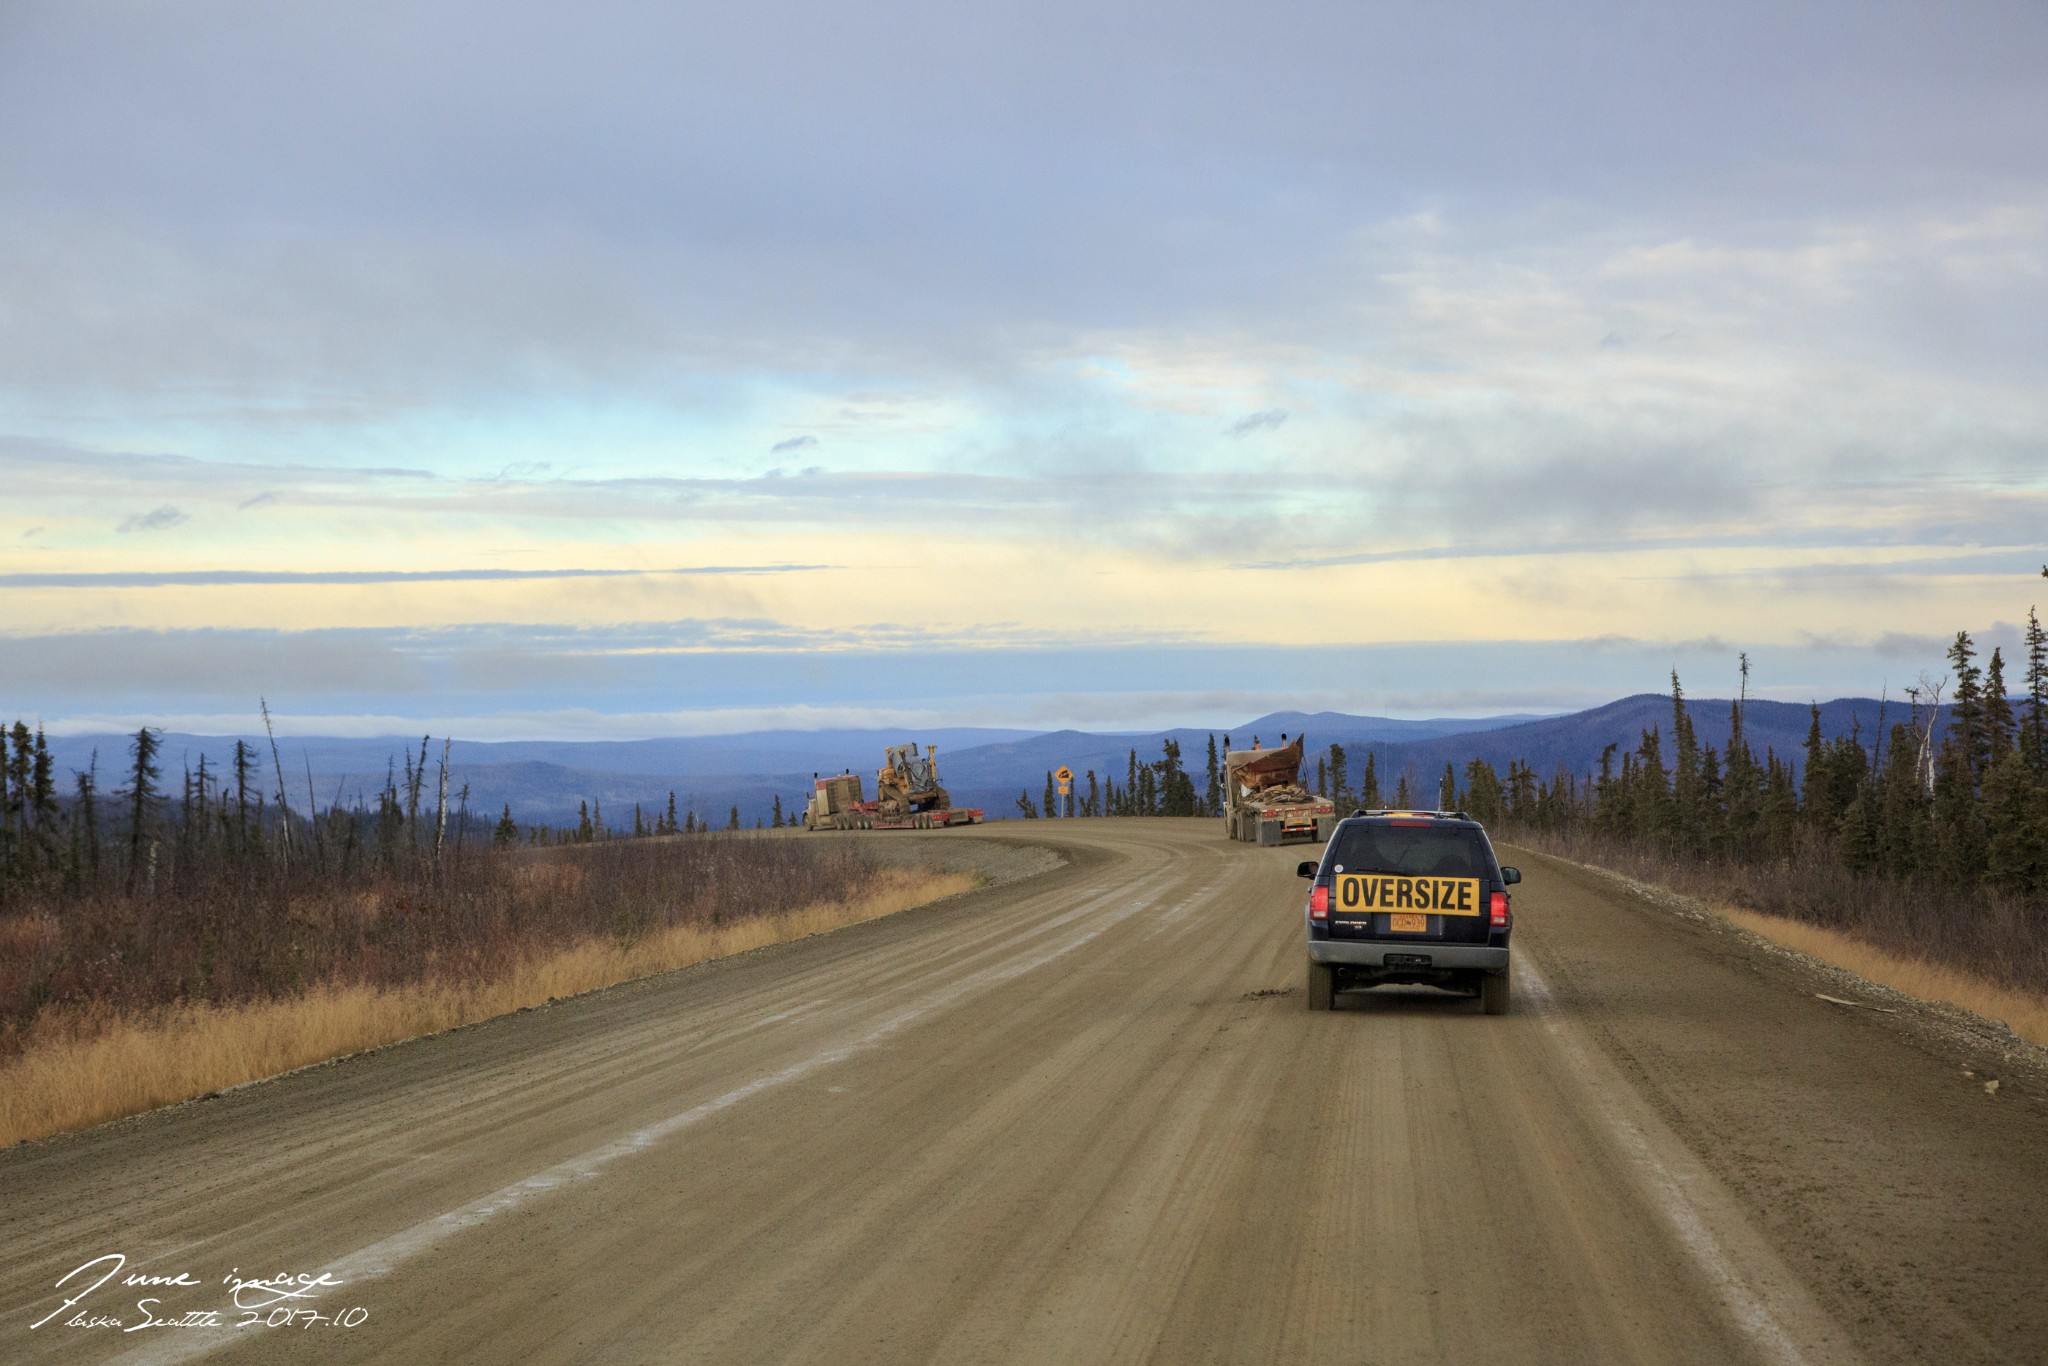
column 20, row 764
column 1958, row 769
column 1050, row 802
column 1780, row 807
column 776, row 823
column 1176, row 790
column 1340, row 781
column 1369, row 784
column 1687, row 818
column 142, row 798
column 1212, row 793
column 2034, row 729
column 1483, row 792
column 1972, row 748
column 1901, row 807
column 2016, row 827
column 42, row 786
column 507, row 832
column 2000, row 734
column 245, row 768
column 1713, row 813
column 1820, row 810
column 1521, row 793
column 1094, row 806
column 85, row 822
column 1609, row 796
column 1447, row 790
column 1856, row 835
column 733, row 822
column 1743, row 789
column 1652, row 816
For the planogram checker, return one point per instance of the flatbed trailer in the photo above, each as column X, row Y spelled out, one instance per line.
column 837, row 803
column 866, row 816
column 1283, row 822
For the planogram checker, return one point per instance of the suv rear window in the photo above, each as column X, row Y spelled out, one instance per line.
column 1433, row 851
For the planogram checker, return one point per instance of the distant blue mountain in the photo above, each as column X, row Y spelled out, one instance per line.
column 1574, row 743
column 545, row 781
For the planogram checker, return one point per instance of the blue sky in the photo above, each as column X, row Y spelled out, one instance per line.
column 617, row 369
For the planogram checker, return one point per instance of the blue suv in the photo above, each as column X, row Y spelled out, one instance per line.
column 1409, row 896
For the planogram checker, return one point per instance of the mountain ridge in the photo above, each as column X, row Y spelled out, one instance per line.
column 546, row 781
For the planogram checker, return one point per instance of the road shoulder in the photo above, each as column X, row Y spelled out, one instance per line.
column 1911, row 1203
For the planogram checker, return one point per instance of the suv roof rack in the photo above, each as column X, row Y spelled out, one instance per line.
column 1394, row 811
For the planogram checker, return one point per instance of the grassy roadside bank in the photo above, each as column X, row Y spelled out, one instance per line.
column 83, row 1067
column 2022, row 1011
column 2025, row 1013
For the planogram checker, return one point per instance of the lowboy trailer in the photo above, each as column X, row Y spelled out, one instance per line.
column 907, row 797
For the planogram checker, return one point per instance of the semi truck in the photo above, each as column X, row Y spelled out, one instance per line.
column 1264, row 801
column 907, row 797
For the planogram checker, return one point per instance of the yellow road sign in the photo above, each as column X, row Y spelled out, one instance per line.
column 1064, row 774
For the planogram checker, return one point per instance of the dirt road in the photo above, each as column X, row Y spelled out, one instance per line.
column 1085, row 1117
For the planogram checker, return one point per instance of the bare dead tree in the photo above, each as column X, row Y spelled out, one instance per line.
column 441, row 805
column 284, row 808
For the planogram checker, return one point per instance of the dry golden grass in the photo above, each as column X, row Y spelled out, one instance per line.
column 2025, row 1013
column 85, row 1069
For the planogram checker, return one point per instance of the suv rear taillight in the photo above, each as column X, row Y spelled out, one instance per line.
column 1500, row 909
column 1319, row 903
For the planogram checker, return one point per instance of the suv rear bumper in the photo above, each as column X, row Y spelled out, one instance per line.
column 1373, row 953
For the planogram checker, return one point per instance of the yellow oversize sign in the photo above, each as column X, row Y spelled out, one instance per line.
column 1365, row 893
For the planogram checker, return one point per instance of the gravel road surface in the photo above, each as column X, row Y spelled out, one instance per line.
column 1084, row 1116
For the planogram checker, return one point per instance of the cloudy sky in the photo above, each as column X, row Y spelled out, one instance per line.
column 623, row 369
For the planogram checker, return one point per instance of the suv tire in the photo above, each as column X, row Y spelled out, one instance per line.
column 1322, row 986
column 1493, row 993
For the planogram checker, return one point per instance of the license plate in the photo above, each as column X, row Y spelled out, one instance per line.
column 1408, row 924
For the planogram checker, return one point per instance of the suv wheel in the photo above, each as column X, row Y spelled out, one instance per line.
column 1322, row 986
column 1493, row 992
